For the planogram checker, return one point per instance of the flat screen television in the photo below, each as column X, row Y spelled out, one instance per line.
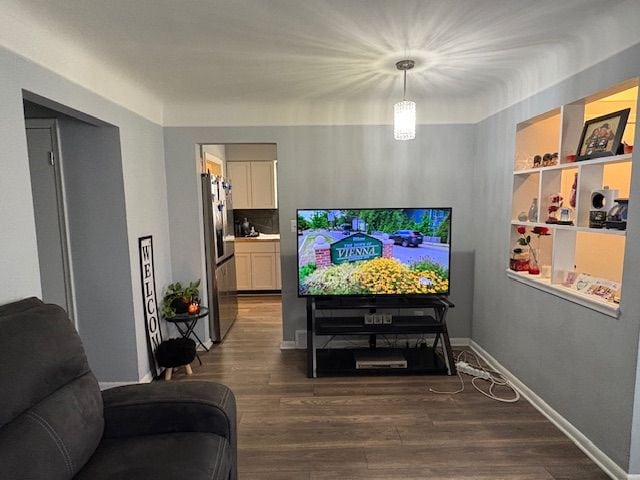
column 374, row 251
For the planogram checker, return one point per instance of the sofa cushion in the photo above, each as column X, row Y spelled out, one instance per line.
column 55, row 438
column 40, row 352
column 196, row 456
column 51, row 412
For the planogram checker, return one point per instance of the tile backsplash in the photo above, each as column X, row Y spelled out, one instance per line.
column 264, row 221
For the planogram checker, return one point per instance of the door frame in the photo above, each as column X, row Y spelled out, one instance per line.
column 61, row 206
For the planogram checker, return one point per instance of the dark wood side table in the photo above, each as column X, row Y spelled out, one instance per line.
column 185, row 323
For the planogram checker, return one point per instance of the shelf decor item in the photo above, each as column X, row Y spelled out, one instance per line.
column 566, row 216
column 617, row 216
column 533, row 211
column 525, row 241
column 555, row 203
column 601, row 136
column 601, row 203
column 519, row 261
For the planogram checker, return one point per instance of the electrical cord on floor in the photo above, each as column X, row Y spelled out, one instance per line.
column 495, row 379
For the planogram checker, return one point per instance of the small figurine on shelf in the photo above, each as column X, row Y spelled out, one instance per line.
column 555, row 202
column 537, row 161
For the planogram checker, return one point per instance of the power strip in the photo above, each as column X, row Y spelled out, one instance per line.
column 464, row 367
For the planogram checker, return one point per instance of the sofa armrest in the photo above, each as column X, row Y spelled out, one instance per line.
column 168, row 407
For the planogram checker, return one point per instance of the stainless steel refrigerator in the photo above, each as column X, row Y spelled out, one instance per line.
column 219, row 251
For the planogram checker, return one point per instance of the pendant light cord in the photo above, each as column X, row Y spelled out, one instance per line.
column 404, row 90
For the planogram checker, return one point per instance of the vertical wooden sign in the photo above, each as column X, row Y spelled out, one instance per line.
column 150, row 301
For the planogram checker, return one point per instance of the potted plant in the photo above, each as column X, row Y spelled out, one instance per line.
column 179, row 299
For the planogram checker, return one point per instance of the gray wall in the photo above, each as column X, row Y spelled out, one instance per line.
column 96, row 216
column 144, row 186
column 336, row 167
column 582, row 363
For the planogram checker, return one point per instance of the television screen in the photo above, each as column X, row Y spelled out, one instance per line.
column 380, row 251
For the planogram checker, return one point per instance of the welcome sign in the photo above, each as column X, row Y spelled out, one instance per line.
column 354, row 248
column 150, row 301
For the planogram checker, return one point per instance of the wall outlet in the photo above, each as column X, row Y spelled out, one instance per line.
column 387, row 318
column 294, row 226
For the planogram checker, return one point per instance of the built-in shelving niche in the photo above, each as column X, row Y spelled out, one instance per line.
column 598, row 252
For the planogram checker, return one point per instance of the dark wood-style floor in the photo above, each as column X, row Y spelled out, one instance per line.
column 292, row 427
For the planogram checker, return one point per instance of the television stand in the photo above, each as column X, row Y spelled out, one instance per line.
column 395, row 356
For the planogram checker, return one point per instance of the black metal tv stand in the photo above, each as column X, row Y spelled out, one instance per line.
column 420, row 358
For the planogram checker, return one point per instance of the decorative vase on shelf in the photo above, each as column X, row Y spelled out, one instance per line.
column 534, row 266
column 533, row 211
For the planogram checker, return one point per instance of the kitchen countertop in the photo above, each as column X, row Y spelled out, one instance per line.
column 262, row 237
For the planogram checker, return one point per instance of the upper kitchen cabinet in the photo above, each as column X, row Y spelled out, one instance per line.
column 239, row 174
column 253, row 184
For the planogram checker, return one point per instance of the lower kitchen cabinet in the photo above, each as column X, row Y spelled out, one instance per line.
column 258, row 265
column 243, row 271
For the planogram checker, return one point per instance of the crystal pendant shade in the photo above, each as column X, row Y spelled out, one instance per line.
column 404, row 120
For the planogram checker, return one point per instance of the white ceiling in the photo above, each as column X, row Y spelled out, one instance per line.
column 272, row 58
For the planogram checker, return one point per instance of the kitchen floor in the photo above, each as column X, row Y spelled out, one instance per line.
column 292, row 427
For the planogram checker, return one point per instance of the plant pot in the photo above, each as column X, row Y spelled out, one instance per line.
column 180, row 305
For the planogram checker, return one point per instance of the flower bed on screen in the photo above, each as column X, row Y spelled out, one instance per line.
column 377, row 276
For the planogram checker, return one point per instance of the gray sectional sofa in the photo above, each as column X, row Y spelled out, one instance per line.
column 56, row 424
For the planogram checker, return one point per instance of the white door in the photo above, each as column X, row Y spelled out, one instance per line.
column 48, row 206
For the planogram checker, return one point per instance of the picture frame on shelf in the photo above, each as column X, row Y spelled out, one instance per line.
column 601, row 136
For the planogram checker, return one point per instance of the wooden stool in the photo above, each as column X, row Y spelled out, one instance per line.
column 168, row 372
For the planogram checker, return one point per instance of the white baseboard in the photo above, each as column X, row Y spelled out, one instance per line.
column 148, row 378
column 576, row 436
column 288, row 345
column 208, row 343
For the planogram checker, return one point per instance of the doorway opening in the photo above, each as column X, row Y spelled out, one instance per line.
column 80, row 216
column 250, row 219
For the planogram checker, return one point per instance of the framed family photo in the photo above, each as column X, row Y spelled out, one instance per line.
column 601, row 136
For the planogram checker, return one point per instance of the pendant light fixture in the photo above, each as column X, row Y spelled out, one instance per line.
column 404, row 112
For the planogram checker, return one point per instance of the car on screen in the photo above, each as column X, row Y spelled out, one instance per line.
column 406, row 238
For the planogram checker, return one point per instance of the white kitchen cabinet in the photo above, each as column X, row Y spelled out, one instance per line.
column 258, row 265
column 254, row 184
